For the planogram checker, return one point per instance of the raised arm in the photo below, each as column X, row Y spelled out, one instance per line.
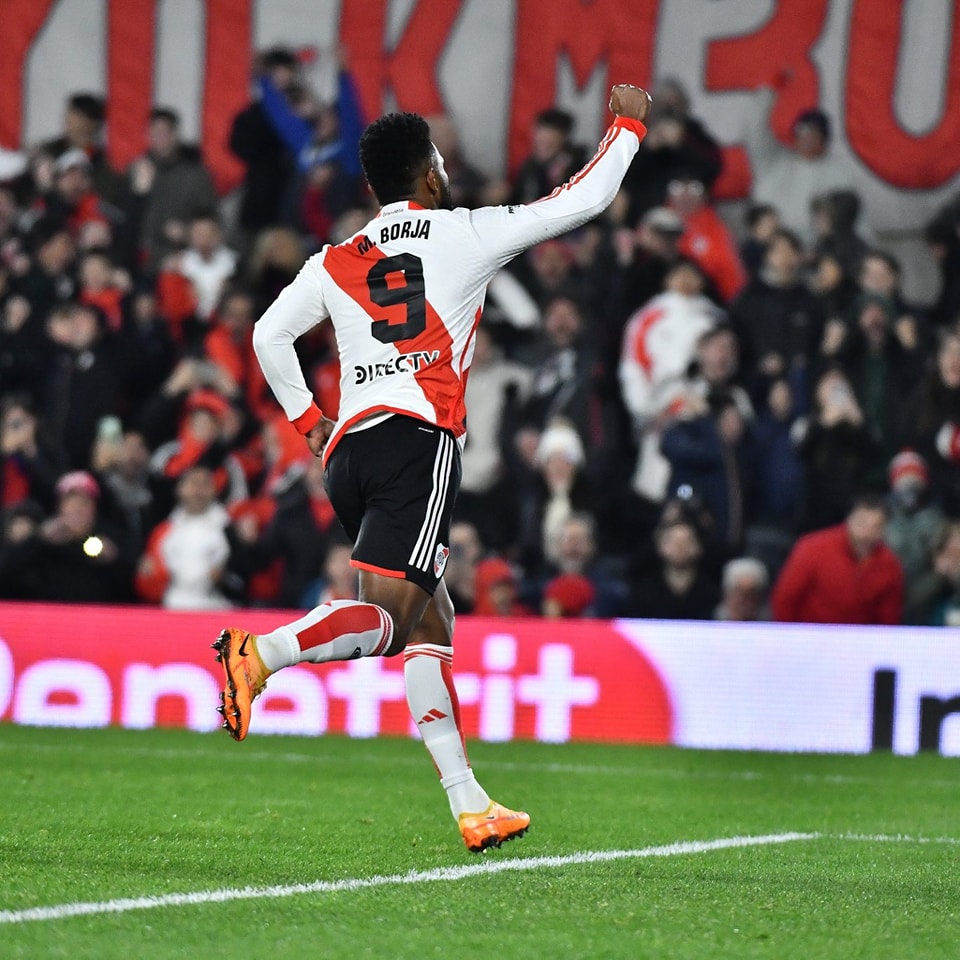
column 506, row 231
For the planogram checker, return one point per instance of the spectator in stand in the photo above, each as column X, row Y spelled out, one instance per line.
column 558, row 489
column 122, row 464
column 760, row 222
column 779, row 488
column 19, row 576
column 744, row 587
column 229, row 345
column 942, row 236
column 553, row 157
column 78, row 555
column 83, row 383
column 717, row 370
column 568, row 595
column 460, row 576
column 49, row 282
column 779, row 322
column 835, row 288
column 340, row 580
column 713, row 454
column 836, row 447
column 203, row 437
column 497, row 591
column 497, row 388
column 789, row 177
column 706, row 238
column 187, row 554
column 323, row 141
column 147, row 353
column 562, row 377
column 644, row 257
column 256, row 143
column 675, row 142
column 207, row 263
column 933, row 596
column 576, row 561
column 104, row 287
column 72, row 200
column 299, row 534
column 880, row 275
column 29, row 463
column 834, row 215
column 549, row 270
column 169, row 187
column 931, row 422
column 83, row 118
column 881, row 370
column 467, row 184
column 915, row 520
column 659, row 345
column 22, row 354
column 843, row 574
column 276, row 258
column 678, row 589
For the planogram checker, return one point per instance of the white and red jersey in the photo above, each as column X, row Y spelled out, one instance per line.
column 405, row 295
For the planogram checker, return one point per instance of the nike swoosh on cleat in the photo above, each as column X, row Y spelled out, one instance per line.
column 243, row 646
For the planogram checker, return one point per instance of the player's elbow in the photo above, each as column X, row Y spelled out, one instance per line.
column 264, row 337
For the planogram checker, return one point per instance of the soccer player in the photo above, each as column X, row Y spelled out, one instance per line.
column 404, row 296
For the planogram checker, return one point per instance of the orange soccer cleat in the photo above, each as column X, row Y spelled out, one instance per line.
column 245, row 678
column 494, row 826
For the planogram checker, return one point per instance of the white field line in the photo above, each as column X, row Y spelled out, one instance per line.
column 485, row 868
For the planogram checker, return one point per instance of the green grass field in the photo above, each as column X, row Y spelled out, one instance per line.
column 100, row 816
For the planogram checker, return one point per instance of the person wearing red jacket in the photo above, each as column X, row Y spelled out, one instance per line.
column 843, row 574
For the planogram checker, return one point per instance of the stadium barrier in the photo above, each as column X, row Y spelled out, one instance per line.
column 714, row 685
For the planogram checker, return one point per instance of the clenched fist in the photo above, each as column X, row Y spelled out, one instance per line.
column 626, row 100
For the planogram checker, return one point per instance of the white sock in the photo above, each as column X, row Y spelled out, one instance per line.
column 338, row 630
column 432, row 698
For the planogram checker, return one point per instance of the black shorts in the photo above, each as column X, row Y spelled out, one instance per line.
column 393, row 487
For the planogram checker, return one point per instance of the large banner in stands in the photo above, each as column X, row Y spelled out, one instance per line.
column 761, row 686
column 887, row 72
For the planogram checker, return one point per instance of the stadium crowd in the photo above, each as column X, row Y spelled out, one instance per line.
column 667, row 417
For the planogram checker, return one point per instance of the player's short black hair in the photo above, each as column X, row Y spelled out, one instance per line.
column 394, row 151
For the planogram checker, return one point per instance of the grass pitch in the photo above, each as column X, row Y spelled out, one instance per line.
column 102, row 817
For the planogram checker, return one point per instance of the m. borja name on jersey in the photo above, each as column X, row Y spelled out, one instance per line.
column 407, row 229
column 404, row 363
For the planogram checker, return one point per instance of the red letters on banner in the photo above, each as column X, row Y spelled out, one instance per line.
column 226, row 89
column 875, row 135
column 620, row 34
column 131, row 41
column 778, row 55
column 21, row 24
column 411, row 68
column 517, row 679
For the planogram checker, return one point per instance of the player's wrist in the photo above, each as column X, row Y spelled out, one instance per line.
column 308, row 419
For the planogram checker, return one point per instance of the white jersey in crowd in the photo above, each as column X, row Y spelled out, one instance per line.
column 659, row 344
column 405, row 295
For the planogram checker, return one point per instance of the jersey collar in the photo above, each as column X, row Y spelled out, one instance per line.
column 400, row 205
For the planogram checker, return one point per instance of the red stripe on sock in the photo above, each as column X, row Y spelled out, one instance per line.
column 354, row 619
column 446, row 672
